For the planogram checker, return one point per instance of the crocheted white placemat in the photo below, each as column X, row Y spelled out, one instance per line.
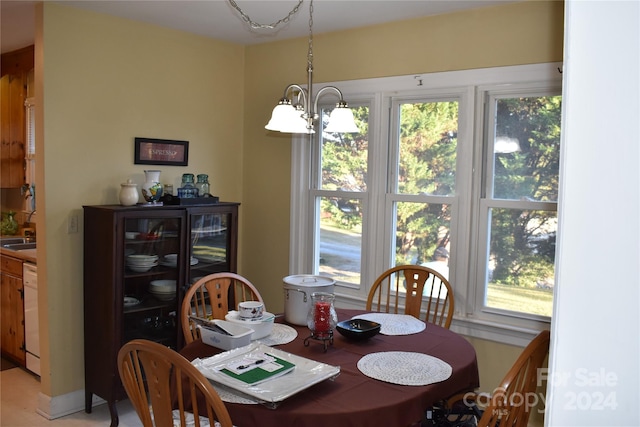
column 281, row 334
column 404, row 368
column 395, row 324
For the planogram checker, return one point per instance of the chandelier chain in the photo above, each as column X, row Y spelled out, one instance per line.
column 257, row 25
column 310, row 53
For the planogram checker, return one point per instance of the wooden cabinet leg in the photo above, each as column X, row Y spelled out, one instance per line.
column 88, row 398
column 114, row 413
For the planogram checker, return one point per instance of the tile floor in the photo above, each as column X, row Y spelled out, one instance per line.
column 19, row 399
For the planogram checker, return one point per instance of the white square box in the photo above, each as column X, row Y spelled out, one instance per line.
column 240, row 335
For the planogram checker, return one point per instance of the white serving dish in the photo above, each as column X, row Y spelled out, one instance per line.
column 131, row 235
column 142, row 264
column 261, row 327
column 170, row 262
column 240, row 337
column 306, row 373
column 131, row 301
column 142, row 268
column 164, row 290
column 164, row 296
column 163, row 285
column 171, row 257
column 144, row 259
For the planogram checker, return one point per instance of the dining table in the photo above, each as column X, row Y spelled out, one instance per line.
column 353, row 398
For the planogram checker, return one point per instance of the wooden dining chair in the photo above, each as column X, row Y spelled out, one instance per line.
column 211, row 297
column 424, row 293
column 509, row 404
column 157, row 379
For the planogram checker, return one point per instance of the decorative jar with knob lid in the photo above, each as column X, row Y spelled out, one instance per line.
column 128, row 193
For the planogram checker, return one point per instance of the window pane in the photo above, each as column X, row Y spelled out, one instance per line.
column 428, row 143
column 521, row 261
column 340, row 239
column 344, row 155
column 527, row 148
column 423, row 234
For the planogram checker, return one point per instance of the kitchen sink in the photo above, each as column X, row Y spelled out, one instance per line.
column 19, row 246
column 12, row 240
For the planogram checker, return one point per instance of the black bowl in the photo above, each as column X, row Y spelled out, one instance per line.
column 358, row 329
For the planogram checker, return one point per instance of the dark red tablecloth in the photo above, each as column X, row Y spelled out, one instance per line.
column 353, row 399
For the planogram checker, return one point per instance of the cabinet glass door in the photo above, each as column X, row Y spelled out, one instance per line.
column 210, row 244
column 151, row 275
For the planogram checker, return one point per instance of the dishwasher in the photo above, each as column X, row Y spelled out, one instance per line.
column 32, row 336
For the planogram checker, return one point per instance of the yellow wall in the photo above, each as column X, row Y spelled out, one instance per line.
column 107, row 80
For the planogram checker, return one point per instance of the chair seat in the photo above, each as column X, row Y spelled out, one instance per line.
column 190, row 420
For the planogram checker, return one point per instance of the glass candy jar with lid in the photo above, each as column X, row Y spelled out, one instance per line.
column 203, row 185
column 188, row 188
column 322, row 318
column 187, row 180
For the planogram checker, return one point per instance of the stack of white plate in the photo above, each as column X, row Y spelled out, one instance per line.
column 142, row 263
column 171, row 260
column 164, row 290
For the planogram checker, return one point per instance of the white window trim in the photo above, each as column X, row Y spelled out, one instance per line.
column 465, row 320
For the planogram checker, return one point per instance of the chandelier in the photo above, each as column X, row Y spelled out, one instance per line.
column 301, row 116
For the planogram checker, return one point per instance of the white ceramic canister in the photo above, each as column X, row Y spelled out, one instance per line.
column 297, row 295
column 128, row 193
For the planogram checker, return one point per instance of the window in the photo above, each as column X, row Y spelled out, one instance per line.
column 458, row 172
column 341, row 188
column 518, row 207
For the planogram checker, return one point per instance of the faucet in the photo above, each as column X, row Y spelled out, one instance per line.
column 30, row 234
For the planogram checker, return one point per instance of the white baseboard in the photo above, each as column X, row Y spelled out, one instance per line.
column 59, row 406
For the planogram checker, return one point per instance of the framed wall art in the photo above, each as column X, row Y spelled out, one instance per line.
column 149, row 151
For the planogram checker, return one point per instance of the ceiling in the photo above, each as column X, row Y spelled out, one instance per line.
column 218, row 19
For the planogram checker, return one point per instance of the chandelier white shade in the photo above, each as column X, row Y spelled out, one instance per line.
column 287, row 118
column 341, row 120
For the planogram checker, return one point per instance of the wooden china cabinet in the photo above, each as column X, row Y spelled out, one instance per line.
column 119, row 302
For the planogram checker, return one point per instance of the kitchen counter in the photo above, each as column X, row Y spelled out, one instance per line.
column 28, row 255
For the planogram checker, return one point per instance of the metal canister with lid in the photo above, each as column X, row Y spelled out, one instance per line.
column 297, row 295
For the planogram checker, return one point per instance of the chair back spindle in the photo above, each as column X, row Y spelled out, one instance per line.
column 424, row 293
column 212, row 297
column 165, row 388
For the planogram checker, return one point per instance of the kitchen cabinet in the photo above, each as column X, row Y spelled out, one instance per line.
column 120, row 303
column 13, row 93
column 12, row 315
column 12, row 152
